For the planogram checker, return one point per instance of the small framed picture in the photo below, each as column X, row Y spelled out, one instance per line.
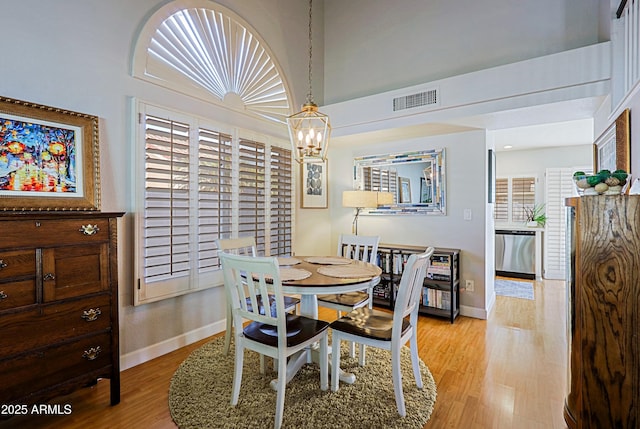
column 314, row 185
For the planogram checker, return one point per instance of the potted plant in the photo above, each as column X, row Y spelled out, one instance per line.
column 536, row 216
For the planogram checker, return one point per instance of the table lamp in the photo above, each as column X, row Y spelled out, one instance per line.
column 364, row 199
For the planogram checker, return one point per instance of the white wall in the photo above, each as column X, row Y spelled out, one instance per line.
column 466, row 189
column 373, row 46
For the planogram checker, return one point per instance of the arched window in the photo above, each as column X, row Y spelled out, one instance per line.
column 205, row 50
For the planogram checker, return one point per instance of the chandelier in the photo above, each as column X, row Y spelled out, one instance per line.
column 309, row 129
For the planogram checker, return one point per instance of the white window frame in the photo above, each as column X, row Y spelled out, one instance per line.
column 510, row 199
column 195, row 281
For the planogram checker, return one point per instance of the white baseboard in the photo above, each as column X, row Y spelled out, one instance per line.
column 477, row 313
column 151, row 352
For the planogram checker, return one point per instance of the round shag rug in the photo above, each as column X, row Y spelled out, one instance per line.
column 200, row 393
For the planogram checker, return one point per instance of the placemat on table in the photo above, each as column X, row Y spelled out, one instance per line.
column 289, row 274
column 287, row 260
column 347, row 272
column 328, row 260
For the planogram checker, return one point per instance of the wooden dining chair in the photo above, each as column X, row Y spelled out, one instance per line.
column 276, row 333
column 245, row 246
column 387, row 331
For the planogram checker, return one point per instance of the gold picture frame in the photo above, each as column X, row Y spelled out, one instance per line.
column 49, row 158
column 612, row 149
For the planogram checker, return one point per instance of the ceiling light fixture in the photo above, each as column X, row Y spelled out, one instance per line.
column 309, row 129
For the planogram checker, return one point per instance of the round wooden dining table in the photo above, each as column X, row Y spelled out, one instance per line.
column 320, row 284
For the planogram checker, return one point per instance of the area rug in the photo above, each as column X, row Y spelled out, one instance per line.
column 514, row 288
column 200, row 394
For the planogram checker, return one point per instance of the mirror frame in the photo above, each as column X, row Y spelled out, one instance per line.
column 438, row 178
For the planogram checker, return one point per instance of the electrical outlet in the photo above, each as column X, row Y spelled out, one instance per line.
column 468, row 285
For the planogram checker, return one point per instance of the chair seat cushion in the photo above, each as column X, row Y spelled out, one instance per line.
column 369, row 323
column 289, row 304
column 349, row 299
column 299, row 330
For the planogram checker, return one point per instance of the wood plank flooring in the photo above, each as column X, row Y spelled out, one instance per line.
column 505, row 372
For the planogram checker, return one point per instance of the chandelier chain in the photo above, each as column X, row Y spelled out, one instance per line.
column 310, row 95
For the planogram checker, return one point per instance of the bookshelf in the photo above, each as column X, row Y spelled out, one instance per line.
column 441, row 291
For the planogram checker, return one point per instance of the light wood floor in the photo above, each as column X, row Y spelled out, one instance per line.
column 505, row 372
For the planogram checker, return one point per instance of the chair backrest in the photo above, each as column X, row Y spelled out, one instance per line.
column 245, row 246
column 360, row 247
column 249, row 279
column 409, row 292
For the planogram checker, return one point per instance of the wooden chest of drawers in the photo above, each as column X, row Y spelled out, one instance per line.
column 58, row 304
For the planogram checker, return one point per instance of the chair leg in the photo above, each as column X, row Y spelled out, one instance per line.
column 362, row 357
column 324, row 363
column 237, row 375
column 228, row 332
column 335, row 361
column 397, row 380
column 415, row 361
column 282, row 385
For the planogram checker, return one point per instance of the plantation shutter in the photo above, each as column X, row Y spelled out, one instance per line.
column 523, row 197
column 252, row 193
column 196, row 184
column 558, row 186
column 501, row 206
column 166, row 198
column 281, row 202
column 215, row 189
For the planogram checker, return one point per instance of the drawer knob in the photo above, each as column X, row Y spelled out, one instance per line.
column 92, row 353
column 2, row 264
column 3, row 295
column 89, row 229
column 91, row 314
column 49, row 276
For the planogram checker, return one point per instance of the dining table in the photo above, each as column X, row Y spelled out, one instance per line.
column 310, row 276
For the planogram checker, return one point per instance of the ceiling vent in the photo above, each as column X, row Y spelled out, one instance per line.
column 426, row 98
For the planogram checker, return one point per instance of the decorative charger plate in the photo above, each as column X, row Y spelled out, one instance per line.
column 347, row 272
column 328, row 260
column 287, row 260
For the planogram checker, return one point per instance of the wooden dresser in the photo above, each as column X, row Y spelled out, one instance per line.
column 58, row 304
column 603, row 318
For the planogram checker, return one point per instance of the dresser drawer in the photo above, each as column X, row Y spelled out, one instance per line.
column 54, row 365
column 53, row 232
column 17, row 294
column 49, row 324
column 17, row 263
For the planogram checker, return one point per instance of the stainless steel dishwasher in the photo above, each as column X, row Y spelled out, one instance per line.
column 516, row 253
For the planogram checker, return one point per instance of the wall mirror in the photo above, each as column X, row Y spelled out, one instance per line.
column 416, row 180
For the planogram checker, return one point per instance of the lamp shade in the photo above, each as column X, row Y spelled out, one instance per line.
column 385, row 198
column 360, row 199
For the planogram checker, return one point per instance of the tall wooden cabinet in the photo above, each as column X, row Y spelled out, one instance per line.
column 603, row 317
column 58, row 304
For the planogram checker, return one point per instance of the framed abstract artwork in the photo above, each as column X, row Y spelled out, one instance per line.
column 49, row 158
column 314, row 186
